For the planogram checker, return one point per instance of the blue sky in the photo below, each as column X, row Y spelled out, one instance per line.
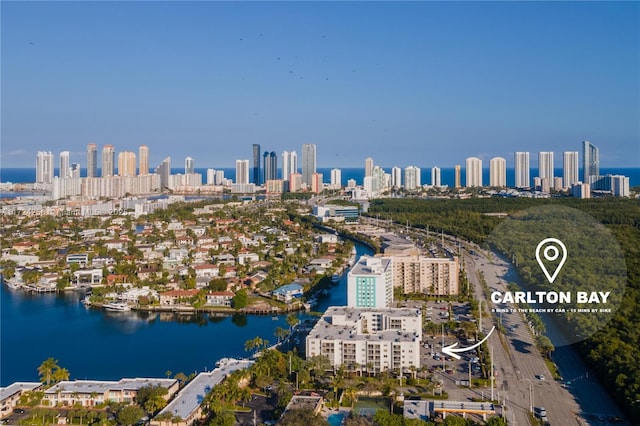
column 422, row 83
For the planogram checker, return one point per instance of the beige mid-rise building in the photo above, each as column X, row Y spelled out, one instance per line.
column 434, row 276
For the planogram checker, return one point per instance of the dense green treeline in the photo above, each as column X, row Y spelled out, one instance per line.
column 613, row 352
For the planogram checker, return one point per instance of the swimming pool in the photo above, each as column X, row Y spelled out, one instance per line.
column 335, row 419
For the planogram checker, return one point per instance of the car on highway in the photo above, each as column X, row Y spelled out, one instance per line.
column 540, row 376
column 540, row 412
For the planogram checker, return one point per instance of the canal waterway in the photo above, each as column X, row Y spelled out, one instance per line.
column 96, row 344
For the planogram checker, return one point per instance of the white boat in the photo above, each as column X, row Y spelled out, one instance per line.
column 119, row 307
column 335, row 278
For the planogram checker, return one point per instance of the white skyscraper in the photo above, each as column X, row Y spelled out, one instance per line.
column 308, row 163
column 474, row 172
column 289, row 164
column 242, row 171
column 189, row 166
column 570, row 164
column 545, row 165
column 396, row 177
column 108, row 160
column 368, row 166
column 523, row 178
column 498, row 172
column 336, row 178
column 211, row 176
column 411, row 178
column 435, row 177
column 44, row 167
column 65, row 165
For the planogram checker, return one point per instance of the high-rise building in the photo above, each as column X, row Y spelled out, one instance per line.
column 591, row 161
column 108, row 160
column 164, row 170
column 308, row 163
column 457, row 179
column 336, row 178
column 370, row 283
column 75, row 170
column 65, row 165
column 473, row 172
column 396, row 177
column 44, row 167
column 256, row 164
column 126, row 163
column 545, row 166
column 211, row 176
column 317, row 184
column 523, row 178
column 143, row 153
column 92, row 160
column 435, row 177
column 289, row 165
column 189, row 166
column 270, row 166
column 242, row 171
column 570, row 164
column 368, row 166
column 411, row 178
column 498, row 172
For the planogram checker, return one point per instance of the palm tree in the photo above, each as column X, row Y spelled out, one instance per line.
column 60, row 374
column 45, row 371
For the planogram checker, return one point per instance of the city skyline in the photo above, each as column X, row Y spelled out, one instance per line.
column 383, row 79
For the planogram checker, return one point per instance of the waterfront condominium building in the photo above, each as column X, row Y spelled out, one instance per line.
column 570, row 166
column 336, row 178
column 368, row 166
column 44, row 167
column 256, row 165
column 591, row 161
column 289, row 164
column 189, row 166
column 242, row 172
column 371, row 340
column 108, row 160
column 545, row 166
column 473, row 172
column 431, row 276
column 164, row 171
column 92, row 160
column 143, row 154
column 126, row 163
column 498, row 172
column 521, row 163
column 65, row 165
column 411, row 178
column 396, row 177
column 308, row 162
column 370, row 283
column 317, row 184
column 457, row 180
column 435, row 177
column 270, row 166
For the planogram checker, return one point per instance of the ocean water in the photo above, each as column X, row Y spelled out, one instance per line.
column 447, row 175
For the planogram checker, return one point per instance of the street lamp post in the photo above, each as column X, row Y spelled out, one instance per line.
column 530, row 395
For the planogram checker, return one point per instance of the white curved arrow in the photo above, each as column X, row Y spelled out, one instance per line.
column 449, row 350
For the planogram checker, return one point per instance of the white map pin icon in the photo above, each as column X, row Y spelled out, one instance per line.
column 551, row 253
